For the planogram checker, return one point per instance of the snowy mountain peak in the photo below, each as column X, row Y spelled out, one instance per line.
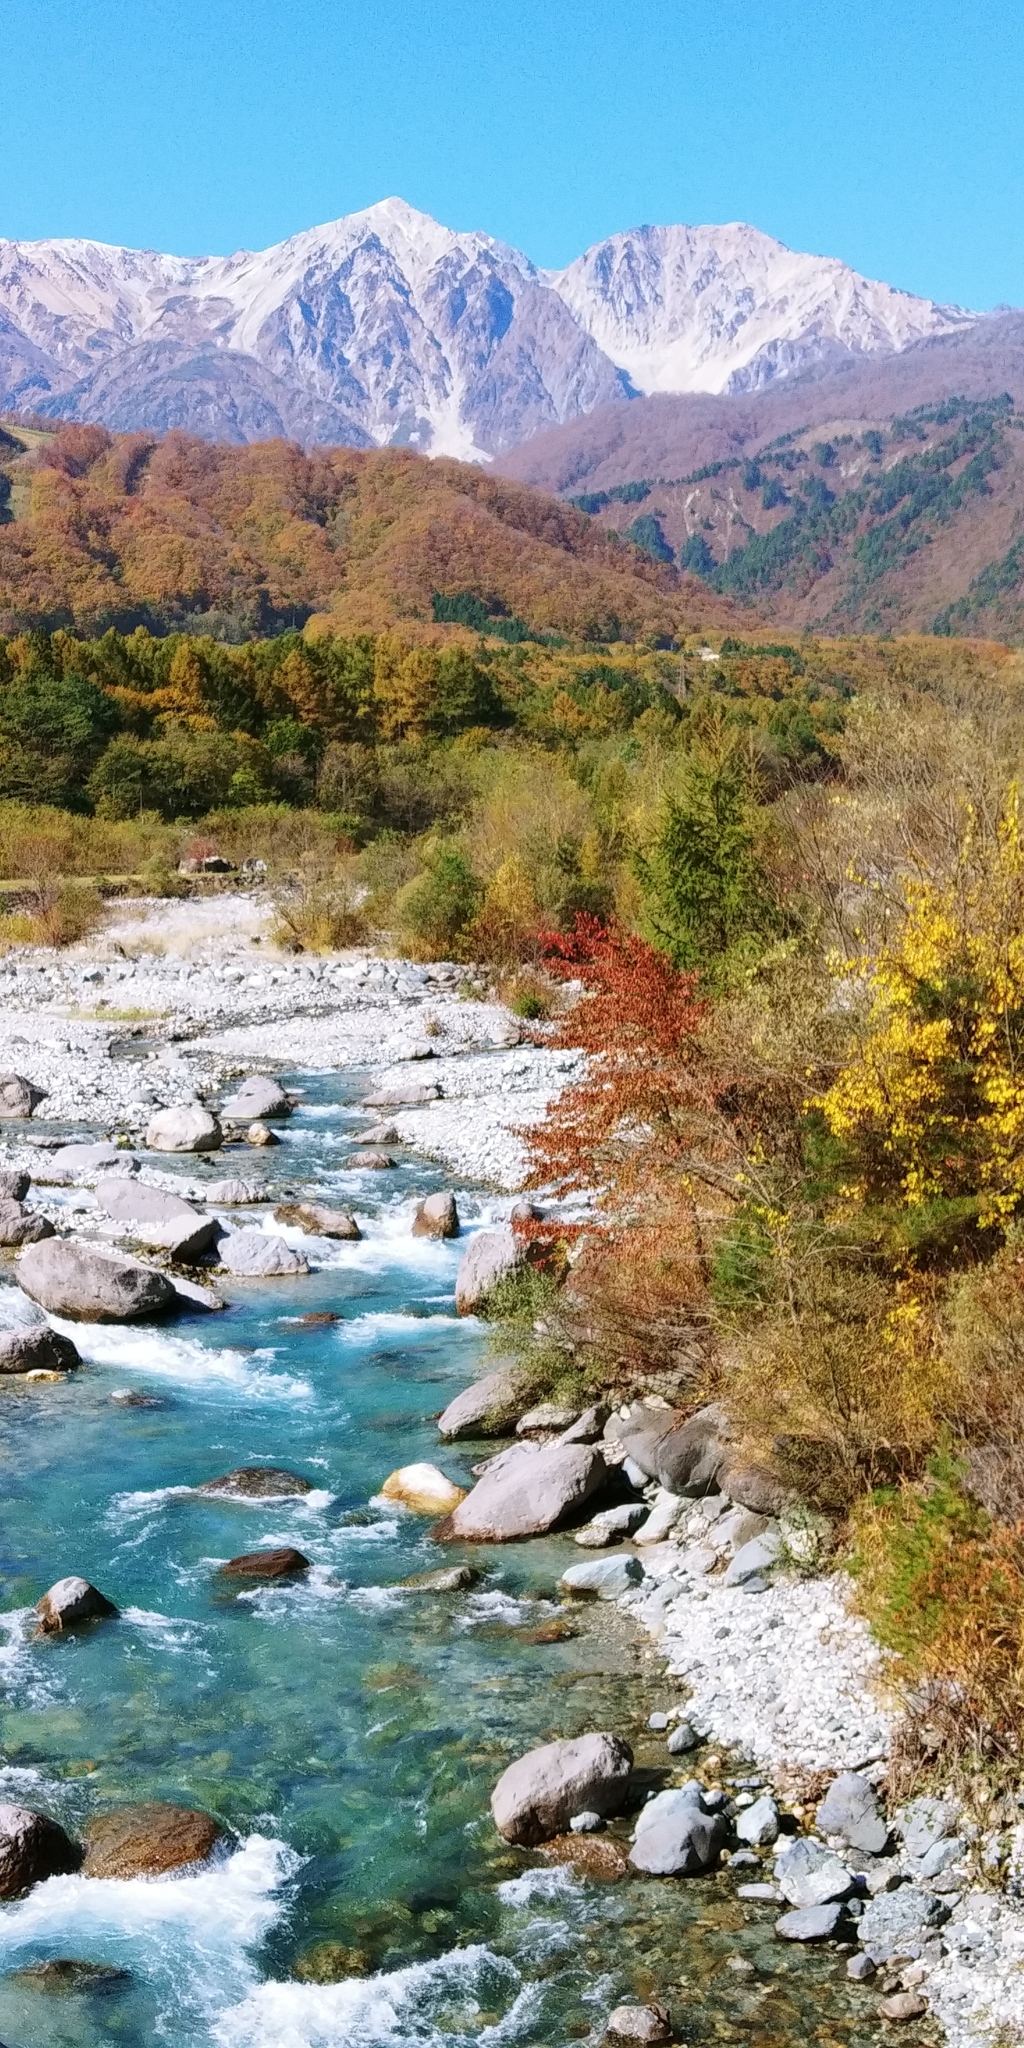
column 384, row 326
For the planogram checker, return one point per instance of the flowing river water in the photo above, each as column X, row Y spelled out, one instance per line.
column 346, row 1734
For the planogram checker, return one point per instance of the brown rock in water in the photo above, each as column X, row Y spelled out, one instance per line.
column 648, row 2024
column 38, row 1350
column 261, row 1134
column 330, row 1962
column 591, row 1855
column 69, row 1604
column 90, row 1286
column 537, row 1796
column 148, row 1840
column 903, row 2005
column 69, row 1973
column 378, row 1161
column 257, row 1482
column 526, row 1493
column 437, row 1216
column 266, row 1564
column 32, row 1847
column 457, row 1578
column 316, row 1318
column 319, row 1220
column 555, row 1631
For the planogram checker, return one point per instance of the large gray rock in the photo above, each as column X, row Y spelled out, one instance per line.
column 14, row 1184
column 18, row 1097
column 403, row 1095
column 37, row 1350
column 610, row 1525
column 91, row 1286
column 604, row 1578
column 893, row 1921
column 437, row 1216
column 254, row 1255
column 32, row 1848
column 925, row 1821
column 754, row 1486
column 157, row 1218
column 678, row 1835
column 808, row 1874
column 539, row 1794
column 815, row 1923
column 488, row 1258
column 758, row 1825
column 534, row 1490
column 753, row 1558
column 850, row 1810
column 70, row 1163
column 318, row 1220
column 21, row 1226
column 187, row 1128
column 69, row 1603
column 231, row 1193
column 684, row 1457
column 487, row 1408
column 258, row 1096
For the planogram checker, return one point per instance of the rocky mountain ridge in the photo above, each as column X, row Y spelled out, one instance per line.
column 386, row 328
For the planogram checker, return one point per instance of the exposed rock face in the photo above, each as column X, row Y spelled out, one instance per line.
column 69, row 1604
column 187, row 1128
column 19, row 1226
column 257, row 1482
column 266, row 1564
column 157, row 1218
column 32, row 1848
column 18, row 1097
column 14, row 1184
column 258, row 1096
column 490, row 1257
column 254, row 1255
column 457, row 1578
column 488, row 1407
column 319, row 1220
column 684, row 1457
column 678, row 1834
column 437, row 1216
column 534, row 1490
column 38, row 1350
column 148, row 1840
column 539, row 1794
column 89, row 1286
column 424, row 1489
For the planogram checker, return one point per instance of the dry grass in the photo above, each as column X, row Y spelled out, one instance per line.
column 57, row 915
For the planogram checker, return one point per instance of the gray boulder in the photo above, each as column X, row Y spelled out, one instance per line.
column 437, row 1216
column 587, row 1427
column 610, row 1526
column 231, row 1194
column 69, row 1604
column 539, row 1794
column 605, row 1578
column 32, row 1848
column 533, row 1491
column 70, row 1163
column 319, row 1220
column 649, row 2024
column 20, row 1226
column 258, row 1096
column 925, row 1821
column 14, row 1184
column 893, row 1921
column 488, row 1258
column 371, row 1161
column 90, row 1286
column 546, row 1419
column 157, row 1218
column 403, row 1095
column 682, row 1739
column 18, row 1097
column 758, row 1825
column 678, row 1834
column 260, row 1134
column 815, row 1923
column 684, row 1457
column 754, row 1486
column 456, row 1578
column 850, row 1810
column 187, row 1128
column 487, row 1408
column 754, row 1558
column 808, row 1874
column 37, row 1350
column 254, row 1255
column 380, row 1134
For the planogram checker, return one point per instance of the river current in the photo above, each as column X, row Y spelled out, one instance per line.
column 347, row 1734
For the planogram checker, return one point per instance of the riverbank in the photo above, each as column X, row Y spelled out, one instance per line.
column 166, row 1006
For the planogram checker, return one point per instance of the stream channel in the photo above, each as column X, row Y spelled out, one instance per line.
column 347, row 1734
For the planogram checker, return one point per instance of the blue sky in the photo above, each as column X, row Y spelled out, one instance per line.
column 887, row 132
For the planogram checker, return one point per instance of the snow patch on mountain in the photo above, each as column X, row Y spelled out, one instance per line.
column 385, row 327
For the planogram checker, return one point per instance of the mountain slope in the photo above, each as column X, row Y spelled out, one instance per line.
column 236, row 541
column 385, row 328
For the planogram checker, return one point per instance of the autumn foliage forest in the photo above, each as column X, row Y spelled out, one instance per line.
column 773, row 886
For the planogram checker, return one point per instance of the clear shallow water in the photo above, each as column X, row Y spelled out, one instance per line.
column 348, row 1734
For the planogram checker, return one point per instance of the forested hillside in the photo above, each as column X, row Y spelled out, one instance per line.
column 106, row 530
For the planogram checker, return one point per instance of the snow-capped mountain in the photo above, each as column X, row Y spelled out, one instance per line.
column 385, row 327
